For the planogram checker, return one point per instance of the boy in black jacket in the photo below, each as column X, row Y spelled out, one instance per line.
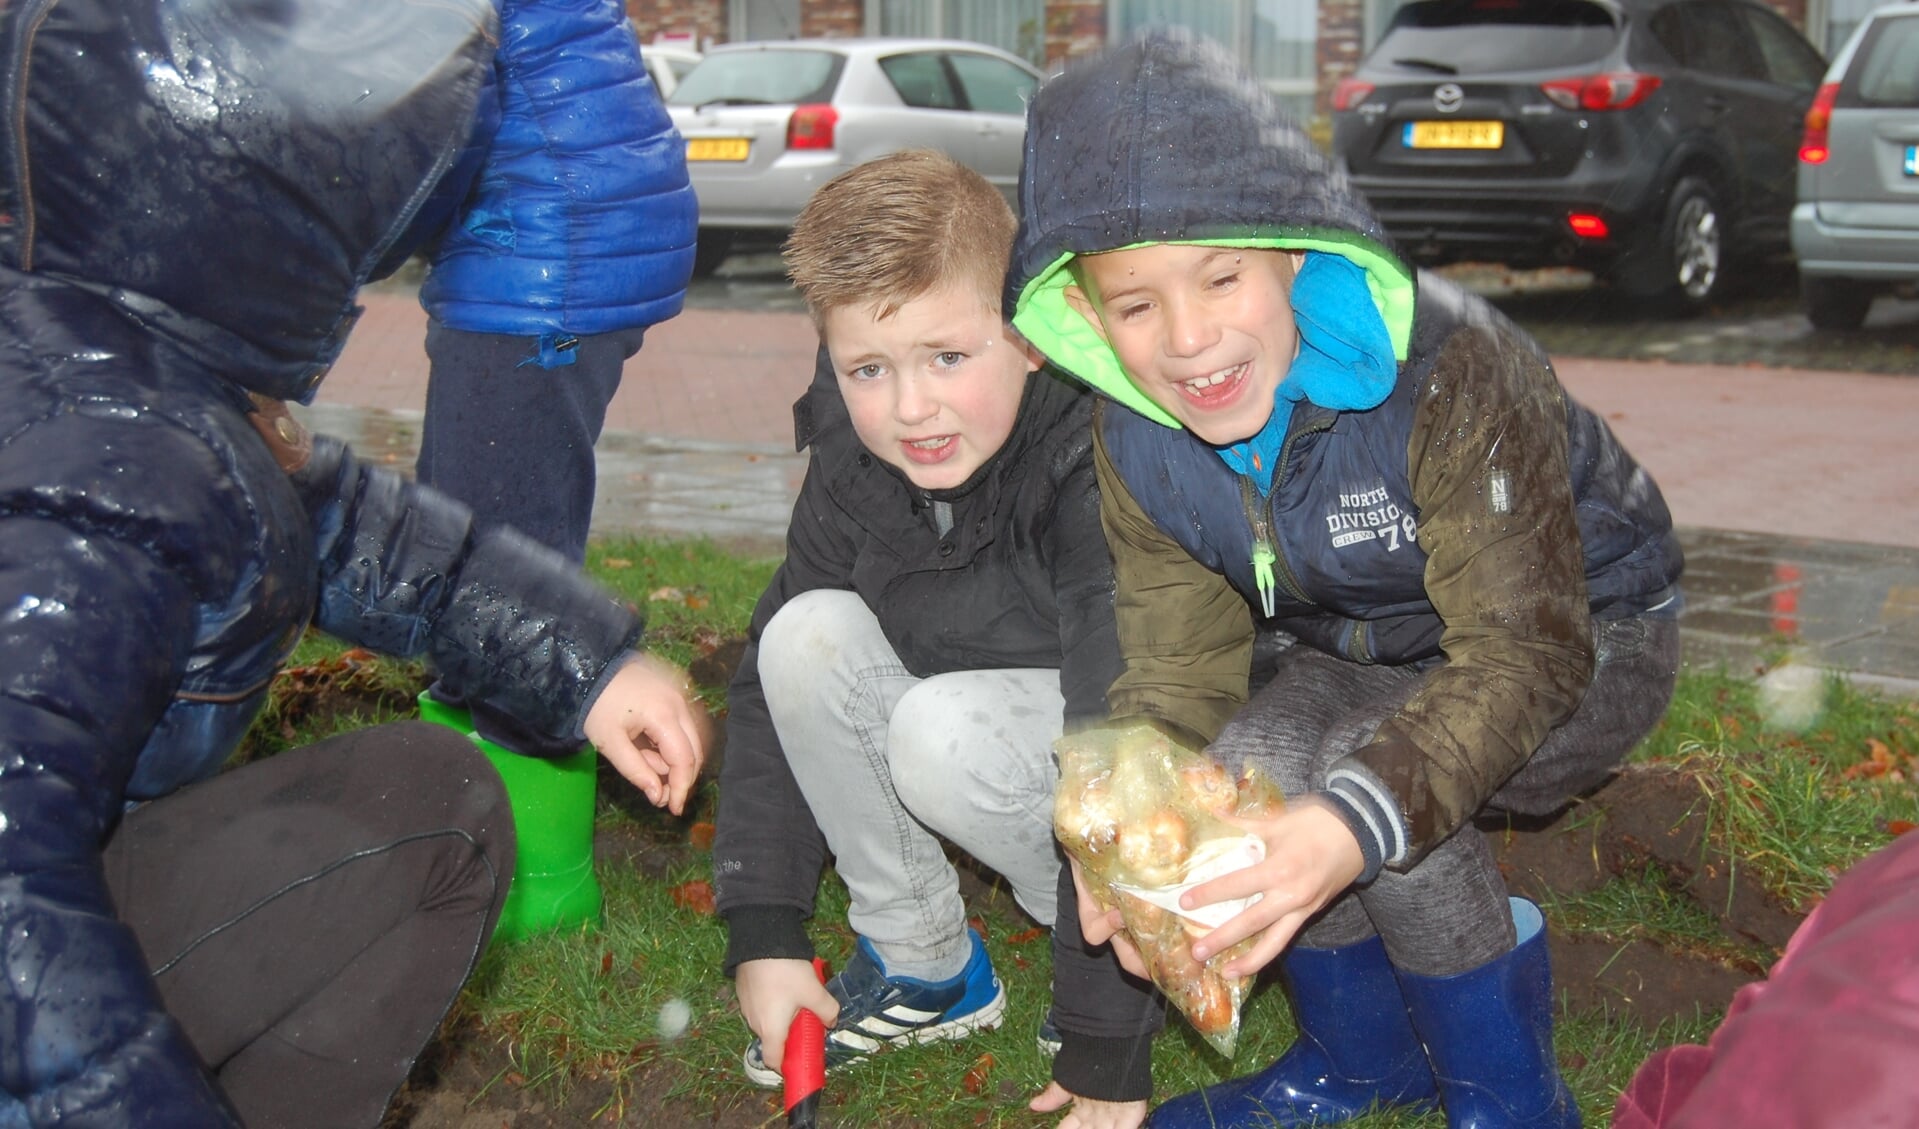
column 944, row 609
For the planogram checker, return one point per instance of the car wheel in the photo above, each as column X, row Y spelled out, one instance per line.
column 1835, row 303
column 1682, row 269
column 711, row 250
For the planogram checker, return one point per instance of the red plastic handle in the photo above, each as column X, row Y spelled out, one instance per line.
column 803, row 1066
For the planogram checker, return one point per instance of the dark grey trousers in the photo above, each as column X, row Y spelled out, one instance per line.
column 1448, row 913
column 310, row 918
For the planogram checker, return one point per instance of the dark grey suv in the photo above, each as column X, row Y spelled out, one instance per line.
column 1653, row 142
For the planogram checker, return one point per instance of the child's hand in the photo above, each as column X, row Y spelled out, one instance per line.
column 1086, row 1112
column 1311, row 856
column 772, row 992
column 1099, row 925
column 645, row 724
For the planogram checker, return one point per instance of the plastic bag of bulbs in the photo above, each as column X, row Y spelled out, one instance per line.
column 1141, row 814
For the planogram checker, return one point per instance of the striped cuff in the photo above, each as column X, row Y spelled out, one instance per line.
column 1372, row 813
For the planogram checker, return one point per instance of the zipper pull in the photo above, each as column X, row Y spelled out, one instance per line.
column 1263, row 558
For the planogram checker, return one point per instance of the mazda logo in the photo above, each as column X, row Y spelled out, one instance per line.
column 1447, row 96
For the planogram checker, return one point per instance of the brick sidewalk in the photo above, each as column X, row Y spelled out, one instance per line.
column 717, row 375
column 1781, row 451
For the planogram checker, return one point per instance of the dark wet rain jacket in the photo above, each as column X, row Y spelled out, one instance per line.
column 1477, row 513
column 192, row 193
column 1021, row 580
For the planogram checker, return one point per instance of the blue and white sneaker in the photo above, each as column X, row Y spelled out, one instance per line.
column 1048, row 1038
column 878, row 1011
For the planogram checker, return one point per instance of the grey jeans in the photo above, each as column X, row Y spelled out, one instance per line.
column 1448, row 913
column 892, row 764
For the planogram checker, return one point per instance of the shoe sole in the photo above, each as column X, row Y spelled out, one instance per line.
column 985, row 1018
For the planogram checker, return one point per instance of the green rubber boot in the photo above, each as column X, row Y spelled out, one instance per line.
column 553, row 884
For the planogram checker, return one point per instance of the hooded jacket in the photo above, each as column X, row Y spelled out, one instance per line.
column 192, row 193
column 582, row 220
column 1434, row 496
column 1021, row 579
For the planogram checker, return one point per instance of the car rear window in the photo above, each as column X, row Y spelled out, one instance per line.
column 1465, row 37
column 1886, row 71
column 757, row 77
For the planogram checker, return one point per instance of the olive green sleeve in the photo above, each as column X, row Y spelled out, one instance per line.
column 1505, row 570
column 1185, row 634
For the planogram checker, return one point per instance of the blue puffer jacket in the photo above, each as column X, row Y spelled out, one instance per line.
column 583, row 220
column 210, row 184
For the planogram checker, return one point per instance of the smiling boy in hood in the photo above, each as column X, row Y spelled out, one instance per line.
column 1472, row 586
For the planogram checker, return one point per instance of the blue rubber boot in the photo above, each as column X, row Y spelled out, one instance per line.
column 1489, row 1033
column 1356, row 1051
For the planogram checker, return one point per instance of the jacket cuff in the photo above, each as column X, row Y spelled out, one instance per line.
column 1358, row 823
column 765, row 933
column 1105, row 1068
column 1372, row 812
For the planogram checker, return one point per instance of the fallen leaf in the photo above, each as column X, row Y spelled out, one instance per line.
column 979, row 926
column 616, row 562
column 606, row 962
column 701, row 835
column 697, row 601
column 1900, row 826
column 1026, row 935
column 696, row 895
column 706, row 640
column 665, row 595
column 978, row 1074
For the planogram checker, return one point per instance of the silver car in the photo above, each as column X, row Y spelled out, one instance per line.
column 666, row 63
column 1855, row 228
column 767, row 123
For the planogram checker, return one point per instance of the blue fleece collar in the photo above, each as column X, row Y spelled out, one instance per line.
column 1345, row 359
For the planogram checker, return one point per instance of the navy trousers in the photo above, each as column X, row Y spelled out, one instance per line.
column 513, row 440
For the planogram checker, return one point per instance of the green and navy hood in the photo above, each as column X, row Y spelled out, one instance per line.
column 1166, row 140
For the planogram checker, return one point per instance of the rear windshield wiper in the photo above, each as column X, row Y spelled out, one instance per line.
column 732, row 101
column 1427, row 65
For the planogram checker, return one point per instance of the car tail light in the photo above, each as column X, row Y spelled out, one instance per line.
column 811, row 127
column 1350, row 92
column 1619, row 91
column 1588, row 226
column 1813, row 143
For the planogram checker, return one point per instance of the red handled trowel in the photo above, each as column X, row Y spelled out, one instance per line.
column 803, row 1066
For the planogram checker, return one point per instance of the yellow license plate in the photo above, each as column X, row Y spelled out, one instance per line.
column 717, row 148
column 1455, row 135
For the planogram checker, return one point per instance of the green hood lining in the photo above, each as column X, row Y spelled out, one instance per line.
column 1056, row 329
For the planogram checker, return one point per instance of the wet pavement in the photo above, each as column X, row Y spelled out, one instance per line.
column 1792, row 487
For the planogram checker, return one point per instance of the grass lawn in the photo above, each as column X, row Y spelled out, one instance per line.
column 1797, row 781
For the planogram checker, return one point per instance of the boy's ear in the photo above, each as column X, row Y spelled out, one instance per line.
column 1076, row 298
column 1034, row 358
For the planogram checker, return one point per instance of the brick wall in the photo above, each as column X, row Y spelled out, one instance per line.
column 1073, row 28
column 704, row 20
column 1336, row 52
column 832, row 17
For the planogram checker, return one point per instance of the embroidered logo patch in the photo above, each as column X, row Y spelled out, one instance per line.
column 1499, row 492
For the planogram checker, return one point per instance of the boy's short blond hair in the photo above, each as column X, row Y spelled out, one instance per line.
column 897, row 228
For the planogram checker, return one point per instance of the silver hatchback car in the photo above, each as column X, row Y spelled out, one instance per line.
column 767, row 123
column 1855, row 228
